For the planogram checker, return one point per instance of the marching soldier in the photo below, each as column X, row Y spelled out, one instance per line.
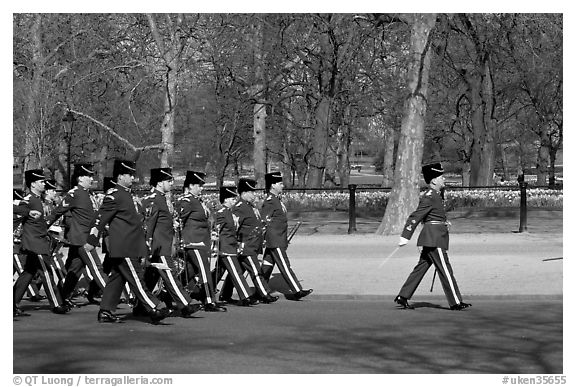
column 127, row 245
column 196, row 236
column 160, row 223
column 433, row 239
column 18, row 258
column 36, row 244
column 228, row 247
column 276, row 236
column 80, row 206
column 250, row 238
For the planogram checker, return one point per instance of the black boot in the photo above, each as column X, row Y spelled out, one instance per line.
column 403, row 302
column 105, row 316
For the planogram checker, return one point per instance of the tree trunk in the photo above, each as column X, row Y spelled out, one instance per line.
column 170, row 53
column 31, row 159
column 167, row 128
column 343, row 155
column 388, row 163
column 483, row 152
column 256, row 92
column 319, row 144
column 405, row 194
column 543, row 161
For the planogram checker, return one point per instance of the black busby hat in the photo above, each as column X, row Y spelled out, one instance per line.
column 160, row 174
column 84, row 169
column 227, row 192
column 193, row 177
column 431, row 171
column 122, row 167
column 18, row 194
column 33, row 175
column 272, row 178
column 51, row 184
column 246, row 185
column 107, row 183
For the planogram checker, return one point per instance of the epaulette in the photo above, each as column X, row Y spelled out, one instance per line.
column 112, row 190
column 429, row 192
column 238, row 204
column 269, row 197
column 185, row 199
column 221, row 210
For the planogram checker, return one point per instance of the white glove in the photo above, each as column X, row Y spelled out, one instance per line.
column 403, row 241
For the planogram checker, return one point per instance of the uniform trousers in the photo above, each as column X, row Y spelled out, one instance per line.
column 42, row 264
column 18, row 261
column 172, row 284
column 230, row 264
column 250, row 263
column 198, row 264
column 78, row 260
column 127, row 270
column 439, row 258
column 278, row 256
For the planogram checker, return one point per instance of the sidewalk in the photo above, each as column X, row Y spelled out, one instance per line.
column 489, row 259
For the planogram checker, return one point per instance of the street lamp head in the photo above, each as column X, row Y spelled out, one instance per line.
column 69, row 117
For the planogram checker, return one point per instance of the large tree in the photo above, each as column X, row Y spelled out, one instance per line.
column 404, row 194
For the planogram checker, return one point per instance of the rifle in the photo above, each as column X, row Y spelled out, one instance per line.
column 293, row 231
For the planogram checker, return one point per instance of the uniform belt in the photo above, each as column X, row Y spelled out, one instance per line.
column 435, row 222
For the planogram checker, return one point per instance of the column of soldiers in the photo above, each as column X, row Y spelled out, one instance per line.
column 142, row 240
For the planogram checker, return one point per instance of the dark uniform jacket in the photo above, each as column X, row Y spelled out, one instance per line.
column 17, row 218
column 126, row 233
column 195, row 218
column 431, row 213
column 250, row 228
column 225, row 221
column 80, row 206
column 34, row 231
column 159, row 224
column 275, row 216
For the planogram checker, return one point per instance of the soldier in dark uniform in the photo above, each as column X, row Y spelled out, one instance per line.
column 80, row 205
column 276, row 236
column 433, row 239
column 194, row 217
column 127, row 245
column 20, row 259
column 250, row 238
column 228, row 248
column 160, row 223
column 36, row 244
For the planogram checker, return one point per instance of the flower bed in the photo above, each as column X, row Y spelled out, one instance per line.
column 375, row 200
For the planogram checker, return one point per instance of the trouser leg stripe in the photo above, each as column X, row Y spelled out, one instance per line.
column 48, row 282
column 93, row 268
column 204, row 276
column 287, row 269
column 236, row 275
column 138, row 284
column 172, row 282
column 19, row 270
column 448, row 275
column 256, row 276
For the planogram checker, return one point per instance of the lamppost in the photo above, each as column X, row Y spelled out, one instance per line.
column 69, row 118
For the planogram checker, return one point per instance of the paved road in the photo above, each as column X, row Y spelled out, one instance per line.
column 508, row 336
column 349, row 324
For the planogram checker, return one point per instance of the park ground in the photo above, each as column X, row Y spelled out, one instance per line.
column 349, row 325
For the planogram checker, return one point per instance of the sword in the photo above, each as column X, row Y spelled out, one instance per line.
column 552, row 259
column 389, row 256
